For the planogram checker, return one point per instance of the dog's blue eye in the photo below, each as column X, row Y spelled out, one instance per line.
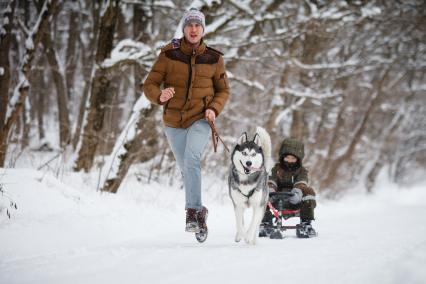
column 244, row 154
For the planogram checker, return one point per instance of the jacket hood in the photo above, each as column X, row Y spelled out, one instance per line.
column 293, row 147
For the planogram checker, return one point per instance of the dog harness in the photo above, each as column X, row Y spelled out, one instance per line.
column 251, row 192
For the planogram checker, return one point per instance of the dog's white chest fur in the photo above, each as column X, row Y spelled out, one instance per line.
column 243, row 200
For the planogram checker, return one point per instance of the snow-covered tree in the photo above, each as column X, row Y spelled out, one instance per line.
column 346, row 77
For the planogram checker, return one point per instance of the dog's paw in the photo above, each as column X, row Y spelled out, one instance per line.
column 247, row 240
column 250, row 241
column 253, row 240
column 250, row 238
column 238, row 237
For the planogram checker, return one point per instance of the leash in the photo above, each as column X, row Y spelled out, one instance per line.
column 216, row 137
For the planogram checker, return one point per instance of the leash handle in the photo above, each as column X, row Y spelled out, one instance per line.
column 216, row 137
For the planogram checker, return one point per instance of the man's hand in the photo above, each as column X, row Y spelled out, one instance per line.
column 167, row 94
column 210, row 115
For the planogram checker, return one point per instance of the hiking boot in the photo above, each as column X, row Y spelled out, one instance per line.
column 202, row 218
column 305, row 230
column 191, row 220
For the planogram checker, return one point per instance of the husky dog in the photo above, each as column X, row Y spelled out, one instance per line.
column 248, row 176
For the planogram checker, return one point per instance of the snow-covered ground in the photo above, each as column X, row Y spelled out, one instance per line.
column 64, row 232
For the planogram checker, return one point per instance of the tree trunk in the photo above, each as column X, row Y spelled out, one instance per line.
column 298, row 125
column 38, row 87
column 140, row 21
column 332, row 144
column 58, row 79
column 22, row 89
column 71, row 55
column 100, row 91
column 113, row 110
column 25, row 141
column 312, row 45
column 5, row 40
column 337, row 163
column 143, row 146
column 87, row 63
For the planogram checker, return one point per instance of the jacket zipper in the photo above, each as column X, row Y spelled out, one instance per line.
column 189, row 81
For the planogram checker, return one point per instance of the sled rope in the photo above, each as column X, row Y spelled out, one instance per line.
column 216, row 137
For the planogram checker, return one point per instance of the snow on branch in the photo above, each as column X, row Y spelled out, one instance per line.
column 336, row 65
column 370, row 11
column 286, row 112
column 158, row 3
column 246, row 82
column 6, row 19
column 213, row 27
column 34, row 36
column 164, row 4
column 127, row 51
column 243, row 7
column 309, row 93
column 313, row 9
column 334, row 14
column 260, row 39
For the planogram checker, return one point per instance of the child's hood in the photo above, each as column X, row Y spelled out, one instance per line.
column 293, row 147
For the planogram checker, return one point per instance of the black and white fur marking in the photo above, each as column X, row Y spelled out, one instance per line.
column 248, row 177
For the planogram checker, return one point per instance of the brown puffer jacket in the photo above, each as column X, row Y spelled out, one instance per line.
column 198, row 77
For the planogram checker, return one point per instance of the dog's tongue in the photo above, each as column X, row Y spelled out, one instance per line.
column 247, row 170
column 254, row 169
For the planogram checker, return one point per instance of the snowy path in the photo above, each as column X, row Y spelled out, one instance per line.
column 64, row 235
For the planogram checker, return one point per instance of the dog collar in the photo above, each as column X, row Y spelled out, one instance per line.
column 236, row 174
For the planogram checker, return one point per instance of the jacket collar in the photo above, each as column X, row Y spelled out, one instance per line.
column 187, row 49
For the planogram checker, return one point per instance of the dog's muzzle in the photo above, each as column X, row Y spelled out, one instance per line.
column 248, row 170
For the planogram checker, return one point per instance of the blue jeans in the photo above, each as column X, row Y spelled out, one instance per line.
column 188, row 146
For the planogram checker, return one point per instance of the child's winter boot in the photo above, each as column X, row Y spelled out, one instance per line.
column 305, row 230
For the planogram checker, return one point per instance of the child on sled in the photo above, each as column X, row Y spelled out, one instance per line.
column 289, row 175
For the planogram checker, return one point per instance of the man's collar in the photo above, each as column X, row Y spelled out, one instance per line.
column 187, row 48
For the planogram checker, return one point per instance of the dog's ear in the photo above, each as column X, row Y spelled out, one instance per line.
column 242, row 139
column 256, row 139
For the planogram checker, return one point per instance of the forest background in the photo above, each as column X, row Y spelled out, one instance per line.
column 345, row 77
